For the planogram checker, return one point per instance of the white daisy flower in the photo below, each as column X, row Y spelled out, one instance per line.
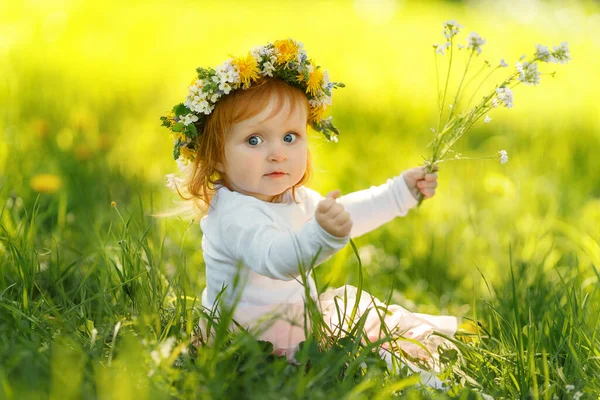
column 504, row 96
column 474, row 42
column 225, row 87
column 451, row 29
column 528, row 73
column 440, row 48
column 172, row 181
column 561, row 53
column 189, row 118
column 569, row 388
column 268, row 68
column 326, row 82
column 519, row 67
column 577, row 395
column 301, row 55
column 202, row 107
column 487, row 119
column 542, row 53
column 503, row 155
column 258, row 52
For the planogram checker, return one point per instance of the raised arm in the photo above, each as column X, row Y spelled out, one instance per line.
column 373, row 207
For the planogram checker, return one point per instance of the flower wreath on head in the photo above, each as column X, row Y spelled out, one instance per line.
column 283, row 59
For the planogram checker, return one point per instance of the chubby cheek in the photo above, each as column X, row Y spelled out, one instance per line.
column 299, row 160
column 243, row 164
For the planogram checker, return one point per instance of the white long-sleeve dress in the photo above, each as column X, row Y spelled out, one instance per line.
column 261, row 245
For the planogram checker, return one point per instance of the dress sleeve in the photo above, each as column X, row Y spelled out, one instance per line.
column 373, row 207
column 259, row 243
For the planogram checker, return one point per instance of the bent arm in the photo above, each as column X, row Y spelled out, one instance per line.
column 373, row 207
column 263, row 247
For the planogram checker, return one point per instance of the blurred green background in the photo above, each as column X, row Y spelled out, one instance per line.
column 83, row 84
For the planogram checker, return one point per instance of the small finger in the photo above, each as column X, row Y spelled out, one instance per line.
column 428, row 192
column 334, row 194
column 347, row 226
column 423, row 184
column 415, row 173
column 431, row 177
column 342, row 217
column 427, row 185
column 325, row 205
column 335, row 210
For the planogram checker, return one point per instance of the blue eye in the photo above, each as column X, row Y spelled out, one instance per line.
column 290, row 137
column 254, row 141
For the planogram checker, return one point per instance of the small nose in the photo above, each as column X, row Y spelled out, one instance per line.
column 277, row 153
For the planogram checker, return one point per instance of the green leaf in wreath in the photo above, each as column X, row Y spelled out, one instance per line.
column 178, row 127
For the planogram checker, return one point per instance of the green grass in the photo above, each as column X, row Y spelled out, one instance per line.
column 103, row 302
column 85, row 323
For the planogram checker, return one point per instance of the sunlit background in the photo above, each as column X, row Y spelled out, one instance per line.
column 83, row 84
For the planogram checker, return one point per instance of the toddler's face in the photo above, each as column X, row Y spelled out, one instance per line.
column 266, row 155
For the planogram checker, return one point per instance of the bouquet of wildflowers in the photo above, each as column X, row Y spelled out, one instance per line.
column 458, row 121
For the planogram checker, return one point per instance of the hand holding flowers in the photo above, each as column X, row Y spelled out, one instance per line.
column 458, row 119
column 420, row 182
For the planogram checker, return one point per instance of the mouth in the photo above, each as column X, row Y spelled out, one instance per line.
column 276, row 174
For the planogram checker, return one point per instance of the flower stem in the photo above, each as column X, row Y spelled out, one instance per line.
column 480, row 84
column 445, row 88
column 437, row 78
column 460, row 85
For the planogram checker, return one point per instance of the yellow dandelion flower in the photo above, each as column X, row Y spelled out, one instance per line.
column 171, row 118
column 113, row 203
column 315, row 80
column 187, row 153
column 179, row 135
column 286, row 50
column 46, row 183
column 470, row 329
column 316, row 113
column 247, row 67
